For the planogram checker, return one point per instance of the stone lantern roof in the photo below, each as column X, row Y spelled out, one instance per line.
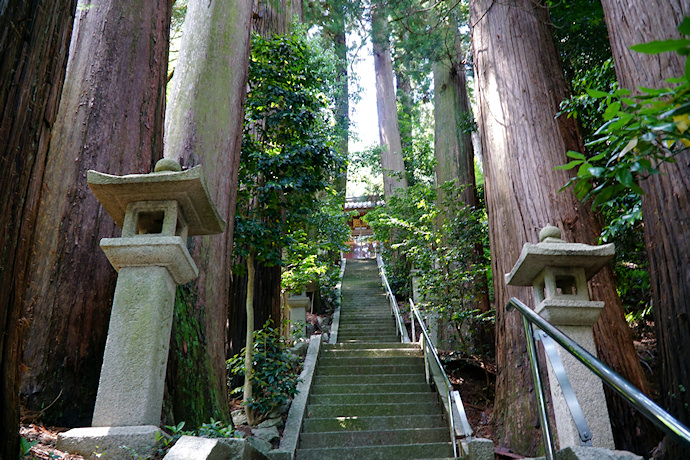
column 168, row 182
column 554, row 252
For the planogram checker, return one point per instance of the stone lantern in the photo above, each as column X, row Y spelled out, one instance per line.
column 156, row 212
column 558, row 272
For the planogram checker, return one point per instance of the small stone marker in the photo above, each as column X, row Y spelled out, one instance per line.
column 558, row 272
column 297, row 306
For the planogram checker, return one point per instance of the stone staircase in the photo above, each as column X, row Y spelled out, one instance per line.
column 369, row 398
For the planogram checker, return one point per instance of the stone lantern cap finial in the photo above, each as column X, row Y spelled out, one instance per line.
column 554, row 252
column 167, row 183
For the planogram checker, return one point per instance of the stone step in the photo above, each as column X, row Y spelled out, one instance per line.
column 373, row 398
column 371, row 353
column 363, row 388
column 328, row 424
column 368, row 323
column 374, row 336
column 377, row 452
column 356, row 361
column 375, row 438
column 382, row 313
column 363, row 369
column 323, row 379
column 365, row 305
column 387, row 325
column 363, row 317
column 384, row 331
column 370, row 410
column 368, row 328
column 352, row 339
column 368, row 345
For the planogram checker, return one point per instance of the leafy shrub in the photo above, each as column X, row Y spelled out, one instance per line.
column 448, row 244
column 276, row 371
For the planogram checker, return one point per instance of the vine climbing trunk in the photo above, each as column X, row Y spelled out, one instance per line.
column 666, row 202
column 204, row 126
column 519, row 88
column 394, row 175
column 110, row 119
column 33, row 58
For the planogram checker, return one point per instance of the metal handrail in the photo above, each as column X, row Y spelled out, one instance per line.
column 452, row 396
column 652, row 411
column 569, row 396
column 402, row 330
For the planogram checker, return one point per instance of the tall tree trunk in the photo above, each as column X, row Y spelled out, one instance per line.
column 519, row 88
column 204, row 126
column 452, row 147
column 666, row 202
column 296, row 12
column 454, row 153
column 342, row 103
column 110, row 119
column 273, row 17
column 266, row 292
column 34, row 43
column 403, row 93
column 394, row 175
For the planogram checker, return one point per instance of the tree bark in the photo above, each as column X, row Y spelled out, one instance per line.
column 394, row 175
column 454, row 152
column 403, row 92
column 342, row 103
column 204, row 126
column 110, row 119
column 666, row 202
column 519, row 88
column 271, row 17
column 34, row 44
column 452, row 147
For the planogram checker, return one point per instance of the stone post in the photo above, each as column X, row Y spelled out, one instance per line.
column 297, row 308
column 156, row 212
column 558, row 272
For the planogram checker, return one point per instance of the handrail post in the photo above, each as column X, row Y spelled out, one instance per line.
column 539, row 390
column 452, row 397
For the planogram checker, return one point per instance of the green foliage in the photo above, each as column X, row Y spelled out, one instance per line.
column 408, row 217
column 25, row 446
column 287, row 144
column 216, row 429
column 639, row 133
column 309, row 257
column 275, row 374
column 581, row 105
column 628, row 137
column 418, row 151
column 581, row 36
column 447, row 244
column 188, row 350
column 179, row 11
